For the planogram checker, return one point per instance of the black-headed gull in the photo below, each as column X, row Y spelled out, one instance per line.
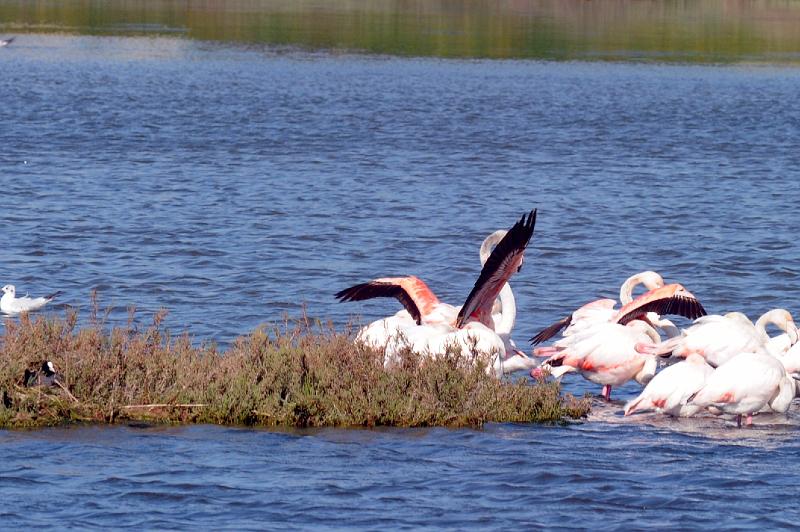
column 6, row 42
column 11, row 304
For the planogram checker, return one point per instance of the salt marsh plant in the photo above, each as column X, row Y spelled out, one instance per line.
column 297, row 373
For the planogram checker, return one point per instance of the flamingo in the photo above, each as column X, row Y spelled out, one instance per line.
column 600, row 310
column 397, row 330
column 11, row 304
column 669, row 391
column 648, row 307
column 606, row 355
column 791, row 361
column 719, row 338
column 473, row 326
column 745, row 384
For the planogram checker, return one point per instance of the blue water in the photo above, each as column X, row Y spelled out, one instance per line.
column 233, row 185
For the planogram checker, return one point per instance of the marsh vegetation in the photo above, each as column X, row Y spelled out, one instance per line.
column 297, row 373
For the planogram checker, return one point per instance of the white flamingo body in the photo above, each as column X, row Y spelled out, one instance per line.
column 720, row 338
column 378, row 333
column 10, row 304
column 669, row 391
column 607, row 355
column 791, row 362
column 747, row 383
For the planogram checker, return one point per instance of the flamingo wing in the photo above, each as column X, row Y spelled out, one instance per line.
column 671, row 299
column 506, row 258
column 411, row 292
column 551, row 330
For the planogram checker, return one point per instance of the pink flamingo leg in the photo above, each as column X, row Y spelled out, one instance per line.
column 749, row 420
column 606, row 392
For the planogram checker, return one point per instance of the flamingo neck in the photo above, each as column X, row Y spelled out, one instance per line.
column 508, row 311
column 489, row 243
column 646, row 329
column 778, row 317
column 650, row 279
column 666, row 326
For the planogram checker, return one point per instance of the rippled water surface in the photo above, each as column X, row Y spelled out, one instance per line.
column 232, row 185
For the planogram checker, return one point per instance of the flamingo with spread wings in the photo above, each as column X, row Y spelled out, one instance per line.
column 600, row 310
column 394, row 329
column 610, row 353
column 436, row 324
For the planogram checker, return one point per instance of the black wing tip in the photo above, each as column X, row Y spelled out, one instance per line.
column 687, row 307
column 360, row 292
column 52, row 296
column 523, row 229
column 551, row 330
column 349, row 293
column 701, row 311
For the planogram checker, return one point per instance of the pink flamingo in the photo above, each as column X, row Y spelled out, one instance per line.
column 670, row 390
column 600, row 310
column 720, row 338
column 606, row 355
column 745, row 384
column 473, row 325
column 609, row 353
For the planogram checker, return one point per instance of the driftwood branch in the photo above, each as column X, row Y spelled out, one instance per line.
column 69, row 394
column 167, row 405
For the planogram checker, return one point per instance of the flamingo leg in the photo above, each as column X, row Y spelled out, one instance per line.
column 749, row 420
column 739, row 421
column 606, row 392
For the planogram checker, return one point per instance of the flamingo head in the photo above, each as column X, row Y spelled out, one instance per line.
column 790, row 327
column 651, row 279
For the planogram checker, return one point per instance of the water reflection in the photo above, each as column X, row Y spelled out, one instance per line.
column 713, row 31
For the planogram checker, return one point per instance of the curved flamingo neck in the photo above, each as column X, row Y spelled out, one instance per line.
column 508, row 305
column 648, row 278
column 778, row 317
column 645, row 328
column 669, row 328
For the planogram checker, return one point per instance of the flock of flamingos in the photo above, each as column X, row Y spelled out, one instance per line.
column 721, row 364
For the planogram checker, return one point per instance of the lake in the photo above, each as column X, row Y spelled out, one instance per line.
column 235, row 182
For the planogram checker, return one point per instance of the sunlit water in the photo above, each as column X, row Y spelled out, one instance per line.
column 232, row 185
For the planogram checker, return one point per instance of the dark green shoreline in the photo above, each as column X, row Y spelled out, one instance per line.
column 714, row 31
